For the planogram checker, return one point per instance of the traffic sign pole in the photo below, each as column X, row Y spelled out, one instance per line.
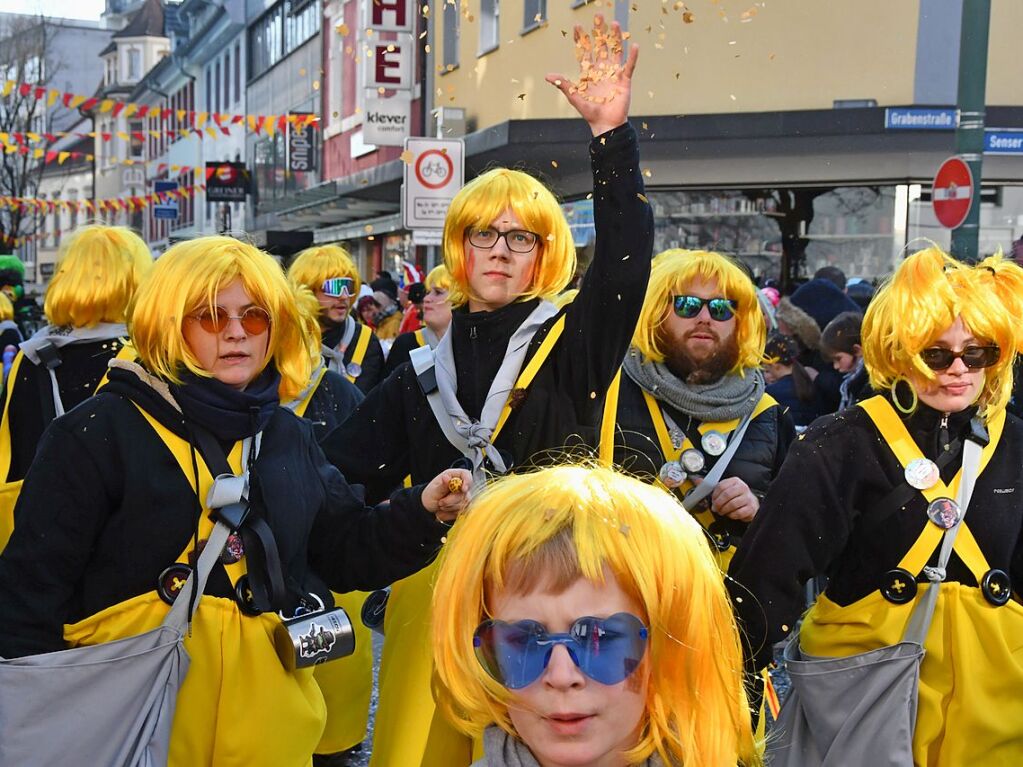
column 973, row 52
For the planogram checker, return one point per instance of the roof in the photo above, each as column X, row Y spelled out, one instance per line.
column 146, row 22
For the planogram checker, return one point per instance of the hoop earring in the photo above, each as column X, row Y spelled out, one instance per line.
column 895, row 397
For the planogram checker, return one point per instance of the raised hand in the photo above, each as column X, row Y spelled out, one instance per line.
column 604, row 88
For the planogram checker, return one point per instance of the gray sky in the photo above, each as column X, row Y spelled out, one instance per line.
column 71, row 9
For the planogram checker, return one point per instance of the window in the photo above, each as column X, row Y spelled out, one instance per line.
column 452, row 35
column 134, row 64
column 209, row 89
column 490, row 18
column 216, row 87
column 280, row 31
column 137, row 143
column 535, row 14
column 335, row 77
column 238, row 71
column 227, row 78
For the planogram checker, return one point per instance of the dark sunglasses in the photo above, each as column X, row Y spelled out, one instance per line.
column 974, row 357
column 607, row 650
column 254, row 320
column 721, row 309
column 336, row 287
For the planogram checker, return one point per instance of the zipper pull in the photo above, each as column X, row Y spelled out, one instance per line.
column 943, row 433
column 472, row 332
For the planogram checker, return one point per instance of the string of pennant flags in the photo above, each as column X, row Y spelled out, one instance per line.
column 196, row 121
column 131, row 203
column 49, row 156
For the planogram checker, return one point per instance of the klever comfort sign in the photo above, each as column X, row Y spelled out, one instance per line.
column 387, row 121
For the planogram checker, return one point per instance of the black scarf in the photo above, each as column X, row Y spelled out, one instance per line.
column 228, row 413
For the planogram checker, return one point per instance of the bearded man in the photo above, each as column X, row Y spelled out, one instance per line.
column 692, row 394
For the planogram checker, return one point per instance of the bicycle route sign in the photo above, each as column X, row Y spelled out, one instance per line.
column 434, row 172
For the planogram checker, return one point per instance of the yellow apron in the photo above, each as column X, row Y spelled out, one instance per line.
column 346, row 683
column 671, row 453
column 9, row 491
column 237, row 707
column 409, row 730
column 970, row 709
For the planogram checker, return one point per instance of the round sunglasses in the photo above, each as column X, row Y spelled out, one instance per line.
column 254, row 320
column 721, row 309
column 607, row 650
column 974, row 357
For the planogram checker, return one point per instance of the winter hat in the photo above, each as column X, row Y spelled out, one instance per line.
column 811, row 308
column 386, row 285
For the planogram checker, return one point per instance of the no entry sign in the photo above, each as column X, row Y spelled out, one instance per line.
column 952, row 192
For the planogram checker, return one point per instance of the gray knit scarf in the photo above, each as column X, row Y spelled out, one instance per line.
column 502, row 750
column 724, row 400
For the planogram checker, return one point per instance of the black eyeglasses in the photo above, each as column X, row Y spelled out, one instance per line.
column 721, row 309
column 518, row 240
column 974, row 357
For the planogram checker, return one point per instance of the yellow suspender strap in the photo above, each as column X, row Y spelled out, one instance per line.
column 182, row 452
column 898, row 438
column 360, row 348
column 671, row 453
column 5, row 420
column 606, row 446
column 419, row 338
column 527, row 375
column 304, row 404
column 126, row 352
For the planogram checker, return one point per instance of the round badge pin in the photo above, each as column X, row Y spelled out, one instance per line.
column 944, row 512
column 922, row 474
column 713, row 443
column 693, row 461
column 233, row 551
column 354, row 369
column 672, row 475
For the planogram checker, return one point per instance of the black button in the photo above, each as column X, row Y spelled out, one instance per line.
column 997, row 587
column 171, row 581
column 898, row 586
column 243, row 594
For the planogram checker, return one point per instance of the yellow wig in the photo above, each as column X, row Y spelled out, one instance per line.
column 98, row 271
column 484, row 199
column 671, row 272
column 922, row 300
column 309, row 312
column 187, row 278
column 439, row 277
column 6, row 308
column 313, row 266
column 546, row 530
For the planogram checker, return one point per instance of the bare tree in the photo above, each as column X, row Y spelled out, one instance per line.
column 25, row 58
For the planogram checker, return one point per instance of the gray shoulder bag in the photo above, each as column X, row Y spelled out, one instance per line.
column 111, row 704
column 861, row 709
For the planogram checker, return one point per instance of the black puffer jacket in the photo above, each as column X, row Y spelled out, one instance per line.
column 756, row 462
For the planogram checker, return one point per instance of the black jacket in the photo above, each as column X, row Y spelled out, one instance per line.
column 105, row 508
column 401, row 348
column 372, row 363
column 334, row 400
column 81, row 369
column 809, row 523
column 756, row 462
column 394, row 427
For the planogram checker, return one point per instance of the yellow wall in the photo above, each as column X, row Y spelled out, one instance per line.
column 733, row 57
